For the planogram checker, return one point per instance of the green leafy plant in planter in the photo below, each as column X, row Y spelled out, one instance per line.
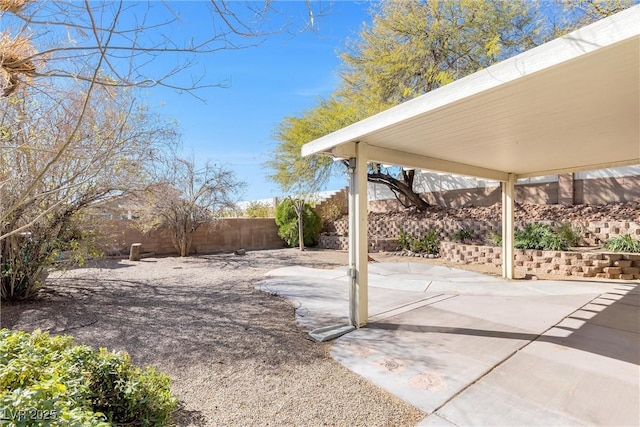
column 625, row 243
column 569, row 233
column 62, row 383
column 542, row 237
column 429, row 243
column 462, row 235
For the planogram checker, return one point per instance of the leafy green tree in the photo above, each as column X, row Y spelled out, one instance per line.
column 412, row 48
column 409, row 49
column 287, row 219
column 259, row 210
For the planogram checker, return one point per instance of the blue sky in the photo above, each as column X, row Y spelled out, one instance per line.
column 284, row 75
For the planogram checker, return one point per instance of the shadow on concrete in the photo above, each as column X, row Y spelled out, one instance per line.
column 609, row 326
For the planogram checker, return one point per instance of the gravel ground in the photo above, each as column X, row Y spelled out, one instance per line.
column 235, row 355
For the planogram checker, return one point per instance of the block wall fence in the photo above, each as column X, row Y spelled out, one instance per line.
column 594, row 191
column 225, row 235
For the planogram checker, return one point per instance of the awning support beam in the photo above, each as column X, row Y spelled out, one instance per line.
column 361, row 235
column 508, row 196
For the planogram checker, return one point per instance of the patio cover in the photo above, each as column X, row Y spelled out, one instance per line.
column 568, row 105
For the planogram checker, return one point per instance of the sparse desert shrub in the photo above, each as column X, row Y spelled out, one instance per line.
column 625, row 243
column 404, row 240
column 259, row 210
column 462, row 235
column 51, row 377
column 569, row 233
column 429, row 243
column 495, row 238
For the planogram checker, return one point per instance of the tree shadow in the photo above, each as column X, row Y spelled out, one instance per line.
column 208, row 310
column 185, row 417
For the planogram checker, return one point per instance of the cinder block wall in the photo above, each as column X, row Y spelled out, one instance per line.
column 225, row 235
column 593, row 232
column 602, row 265
column 595, row 191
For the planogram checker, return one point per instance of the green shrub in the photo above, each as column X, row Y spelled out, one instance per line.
column 462, row 235
column 532, row 236
column 495, row 238
column 542, row 237
column 52, row 377
column 287, row 221
column 430, row 243
column 625, row 243
column 404, row 240
column 259, row 210
column 569, row 233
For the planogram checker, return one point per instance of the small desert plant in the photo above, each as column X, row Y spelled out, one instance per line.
column 625, row 243
column 404, row 240
column 569, row 233
column 73, row 384
column 462, row 235
column 495, row 238
column 429, row 243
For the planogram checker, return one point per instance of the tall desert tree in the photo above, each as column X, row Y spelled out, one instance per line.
column 72, row 132
column 49, row 48
column 411, row 48
column 188, row 198
column 109, row 155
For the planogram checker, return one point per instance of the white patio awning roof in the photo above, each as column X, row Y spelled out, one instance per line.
column 568, row 105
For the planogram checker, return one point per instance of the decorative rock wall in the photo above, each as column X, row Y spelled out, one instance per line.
column 602, row 265
column 341, row 243
column 593, row 232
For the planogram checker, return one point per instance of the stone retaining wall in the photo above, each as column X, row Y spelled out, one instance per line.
column 604, row 265
column 341, row 243
column 593, row 232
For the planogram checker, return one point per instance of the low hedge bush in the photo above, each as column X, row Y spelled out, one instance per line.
column 50, row 381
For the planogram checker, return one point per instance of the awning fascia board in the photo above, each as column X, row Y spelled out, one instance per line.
column 413, row 161
column 632, row 162
column 401, row 158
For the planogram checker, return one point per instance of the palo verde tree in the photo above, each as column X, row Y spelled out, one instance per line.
column 409, row 49
column 188, row 198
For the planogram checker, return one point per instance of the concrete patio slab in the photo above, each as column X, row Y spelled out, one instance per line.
column 477, row 350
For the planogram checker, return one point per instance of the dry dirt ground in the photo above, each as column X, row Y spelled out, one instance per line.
column 235, row 355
